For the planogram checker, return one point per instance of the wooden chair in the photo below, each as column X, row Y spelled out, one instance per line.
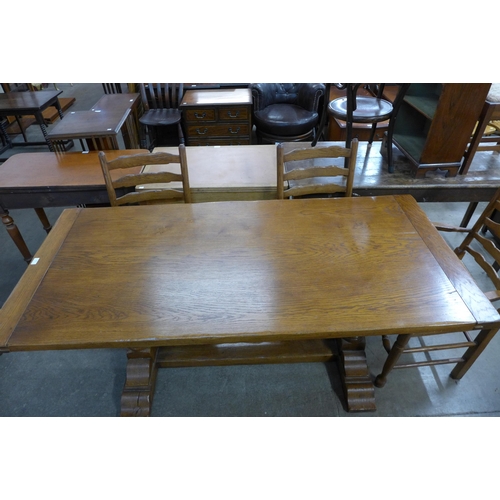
column 353, row 108
column 304, row 179
column 480, row 141
column 161, row 108
column 486, row 254
column 112, row 88
column 120, row 190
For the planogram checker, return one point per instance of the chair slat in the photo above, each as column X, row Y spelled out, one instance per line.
column 300, row 173
column 146, row 178
column 304, row 173
column 488, row 268
column 493, row 226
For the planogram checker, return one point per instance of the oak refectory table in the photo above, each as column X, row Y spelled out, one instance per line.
column 242, row 282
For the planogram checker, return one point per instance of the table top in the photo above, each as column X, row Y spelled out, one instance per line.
column 92, row 123
column 253, row 167
column 33, row 172
column 23, row 102
column 182, row 274
column 216, row 97
column 218, row 168
column 118, row 102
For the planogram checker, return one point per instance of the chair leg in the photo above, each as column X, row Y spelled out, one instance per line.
column 372, row 134
column 392, row 359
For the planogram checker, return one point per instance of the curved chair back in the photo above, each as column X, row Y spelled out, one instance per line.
column 163, row 178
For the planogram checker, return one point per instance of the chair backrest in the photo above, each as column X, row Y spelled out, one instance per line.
column 112, row 88
column 161, row 95
column 301, row 169
column 484, row 250
column 164, row 191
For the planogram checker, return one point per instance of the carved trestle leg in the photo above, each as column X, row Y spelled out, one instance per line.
column 358, row 386
column 15, row 234
column 137, row 396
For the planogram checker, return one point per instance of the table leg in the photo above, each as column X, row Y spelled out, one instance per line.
column 41, row 122
column 43, row 219
column 358, row 386
column 15, row 234
column 138, row 391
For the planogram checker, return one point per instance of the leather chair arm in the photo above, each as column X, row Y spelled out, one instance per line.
column 309, row 96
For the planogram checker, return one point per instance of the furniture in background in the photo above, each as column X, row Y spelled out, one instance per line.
column 484, row 252
column 112, row 88
column 217, row 117
column 285, row 112
column 39, row 180
column 241, row 282
column 481, row 141
column 96, row 129
column 160, row 103
column 219, row 173
column 149, row 194
column 50, row 114
column 335, row 130
column 28, row 104
column 302, row 171
column 118, row 104
column 435, row 123
column 354, row 108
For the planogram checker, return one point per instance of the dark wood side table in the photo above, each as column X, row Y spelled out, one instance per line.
column 29, row 103
column 217, row 117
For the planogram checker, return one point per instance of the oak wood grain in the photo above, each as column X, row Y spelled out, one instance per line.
column 245, row 272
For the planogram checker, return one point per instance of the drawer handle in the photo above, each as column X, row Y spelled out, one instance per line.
column 231, row 131
column 200, row 117
column 233, row 116
column 199, row 132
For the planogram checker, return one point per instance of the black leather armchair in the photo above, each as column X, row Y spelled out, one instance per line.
column 286, row 111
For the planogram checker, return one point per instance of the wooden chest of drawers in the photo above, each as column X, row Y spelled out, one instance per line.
column 217, row 117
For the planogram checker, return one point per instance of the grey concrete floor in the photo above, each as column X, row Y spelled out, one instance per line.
column 89, row 383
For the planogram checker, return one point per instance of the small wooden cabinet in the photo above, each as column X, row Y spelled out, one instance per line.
column 217, row 117
column 435, row 123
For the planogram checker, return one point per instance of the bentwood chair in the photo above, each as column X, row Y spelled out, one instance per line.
column 161, row 109
column 482, row 251
column 286, row 112
column 353, row 108
column 302, row 171
column 152, row 186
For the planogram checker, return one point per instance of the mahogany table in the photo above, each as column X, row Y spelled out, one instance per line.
column 120, row 103
column 242, row 282
column 99, row 128
column 39, row 180
column 29, row 103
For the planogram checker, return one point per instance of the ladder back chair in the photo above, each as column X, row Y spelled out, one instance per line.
column 161, row 109
column 168, row 182
column 483, row 252
column 303, row 171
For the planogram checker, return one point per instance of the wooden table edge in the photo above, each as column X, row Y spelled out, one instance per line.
column 461, row 279
column 16, row 303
